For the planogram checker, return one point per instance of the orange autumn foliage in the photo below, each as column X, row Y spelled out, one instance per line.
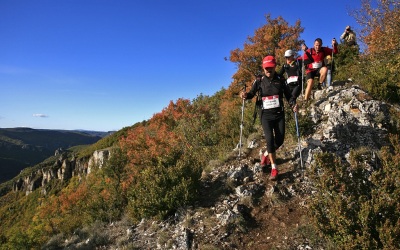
column 273, row 38
column 380, row 22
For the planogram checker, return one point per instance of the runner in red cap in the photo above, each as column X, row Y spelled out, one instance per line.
column 272, row 89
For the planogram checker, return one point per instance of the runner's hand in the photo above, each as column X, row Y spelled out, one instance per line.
column 295, row 108
column 334, row 42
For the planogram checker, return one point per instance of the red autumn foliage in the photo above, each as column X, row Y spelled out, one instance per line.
column 157, row 142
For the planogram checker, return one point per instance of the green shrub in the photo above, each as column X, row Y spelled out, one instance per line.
column 159, row 190
column 345, row 62
column 108, row 198
column 356, row 206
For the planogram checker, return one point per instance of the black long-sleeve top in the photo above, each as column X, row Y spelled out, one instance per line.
column 272, row 87
column 294, row 69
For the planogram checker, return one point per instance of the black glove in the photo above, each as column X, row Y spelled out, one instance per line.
column 292, row 102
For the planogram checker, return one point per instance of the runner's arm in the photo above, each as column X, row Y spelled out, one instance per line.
column 288, row 94
column 307, row 60
column 253, row 90
column 335, row 47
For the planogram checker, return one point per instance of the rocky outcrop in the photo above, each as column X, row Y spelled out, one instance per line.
column 63, row 169
column 98, row 158
column 345, row 119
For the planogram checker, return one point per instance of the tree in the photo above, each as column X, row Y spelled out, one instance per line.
column 380, row 64
column 380, row 20
column 273, row 38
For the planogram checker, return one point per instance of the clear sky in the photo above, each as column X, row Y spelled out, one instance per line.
column 107, row 64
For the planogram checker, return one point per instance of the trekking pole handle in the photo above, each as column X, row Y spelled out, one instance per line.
column 243, row 94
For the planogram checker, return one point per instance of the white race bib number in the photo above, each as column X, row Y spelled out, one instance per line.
column 316, row 65
column 270, row 102
column 292, row 79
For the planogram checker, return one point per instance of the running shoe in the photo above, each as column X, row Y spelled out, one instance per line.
column 274, row 174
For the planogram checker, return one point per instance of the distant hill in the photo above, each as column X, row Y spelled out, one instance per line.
column 24, row 147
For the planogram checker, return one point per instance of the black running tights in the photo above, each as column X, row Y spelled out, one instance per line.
column 274, row 132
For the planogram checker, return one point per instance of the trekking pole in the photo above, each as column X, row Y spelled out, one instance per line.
column 298, row 140
column 302, row 73
column 331, row 80
column 241, row 124
column 332, row 64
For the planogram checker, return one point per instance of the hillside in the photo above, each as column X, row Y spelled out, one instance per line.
column 238, row 207
column 24, row 147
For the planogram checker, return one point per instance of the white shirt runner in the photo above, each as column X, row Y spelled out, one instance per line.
column 270, row 102
column 292, row 79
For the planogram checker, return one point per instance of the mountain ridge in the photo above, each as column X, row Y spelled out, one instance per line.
column 22, row 147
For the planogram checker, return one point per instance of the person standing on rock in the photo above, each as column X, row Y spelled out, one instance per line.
column 318, row 67
column 348, row 37
column 272, row 89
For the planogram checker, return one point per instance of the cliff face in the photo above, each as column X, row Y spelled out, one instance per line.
column 63, row 169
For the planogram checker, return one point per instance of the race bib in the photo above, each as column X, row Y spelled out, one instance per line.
column 292, row 79
column 316, row 65
column 270, row 102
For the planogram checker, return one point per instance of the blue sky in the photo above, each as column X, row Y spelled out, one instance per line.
column 104, row 65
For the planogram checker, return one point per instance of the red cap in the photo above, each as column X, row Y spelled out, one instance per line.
column 269, row 62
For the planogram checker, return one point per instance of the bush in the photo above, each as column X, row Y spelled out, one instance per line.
column 375, row 76
column 346, row 62
column 158, row 191
column 356, row 205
